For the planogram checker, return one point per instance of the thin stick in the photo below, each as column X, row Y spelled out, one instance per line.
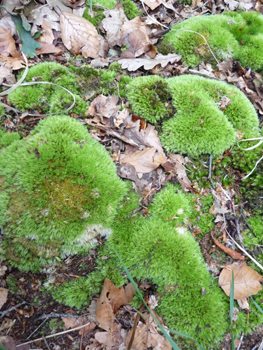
column 245, row 252
column 3, row 313
column 54, row 335
column 210, row 170
column 45, row 341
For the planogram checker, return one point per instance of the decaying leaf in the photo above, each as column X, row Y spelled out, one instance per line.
column 146, row 160
column 72, row 322
column 112, row 23
column 153, row 4
column 3, row 296
column 132, row 64
column 147, row 335
column 79, row 35
column 46, row 40
column 176, row 166
column 103, row 106
column 134, row 35
column 246, row 280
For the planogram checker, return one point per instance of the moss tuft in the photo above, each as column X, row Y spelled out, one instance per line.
column 130, row 9
column 55, row 196
column 233, row 34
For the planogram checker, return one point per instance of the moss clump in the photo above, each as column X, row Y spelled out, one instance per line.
column 203, row 122
column 232, row 34
column 162, row 250
column 7, row 138
column 149, row 97
column 130, row 9
column 80, row 81
column 59, row 192
column 109, row 4
column 97, row 18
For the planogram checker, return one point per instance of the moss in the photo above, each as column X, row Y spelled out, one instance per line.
column 2, row 110
column 130, row 9
column 232, row 34
column 200, row 125
column 163, row 251
column 7, row 138
column 97, row 18
column 109, row 4
column 56, row 198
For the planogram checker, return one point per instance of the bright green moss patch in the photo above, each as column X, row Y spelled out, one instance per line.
column 59, row 192
column 130, row 9
column 230, row 35
column 209, row 115
column 7, row 138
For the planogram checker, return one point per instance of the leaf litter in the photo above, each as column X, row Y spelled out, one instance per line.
column 137, row 149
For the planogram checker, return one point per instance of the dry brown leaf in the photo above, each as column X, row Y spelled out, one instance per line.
column 120, row 117
column 147, row 335
column 246, row 280
column 46, row 40
column 79, row 35
column 3, row 296
column 134, row 35
column 37, row 16
column 72, row 322
column 151, row 138
column 146, row 160
column 132, row 64
column 112, row 23
column 153, row 4
column 7, row 323
column 7, row 43
column 103, row 106
column 176, row 166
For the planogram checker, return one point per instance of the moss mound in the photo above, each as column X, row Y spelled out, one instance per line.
column 162, row 250
column 59, row 191
column 81, row 81
column 209, row 115
column 230, row 35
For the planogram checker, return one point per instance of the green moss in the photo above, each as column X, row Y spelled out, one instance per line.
column 162, row 250
column 130, row 9
column 7, row 138
column 55, row 196
column 200, row 125
column 2, row 110
column 232, row 34
column 98, row 15
column 149, row 97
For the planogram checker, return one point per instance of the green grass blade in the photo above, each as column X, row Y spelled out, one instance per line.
column 2, row 347
column 256, row 304
column 186, row 336
column 231, row 310
column 175, row 347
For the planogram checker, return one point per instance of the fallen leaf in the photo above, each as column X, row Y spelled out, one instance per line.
column 7, row 323
column 243, row 303
column 153, row 4
column 112, row 23
column 246, row 280
column 146, row 160
column 72, row 322
column 8, row 342
column 46, row 40
column 134, row 35
column 120, row 117
column 37, row 16
column 7, row 43
column 103, row 106
column 3, row 296
column 176, row 166
column 147, row 335
column 79, row 35
column 132, row 64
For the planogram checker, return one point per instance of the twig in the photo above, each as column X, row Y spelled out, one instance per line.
column 54, row 335
column 240, row 342
column 244, row 218
column 227, row 250
column 199, row 7
column 3, row 313
column 55, row 315
column 34, row 331
column 245, row 252
column 45, row 341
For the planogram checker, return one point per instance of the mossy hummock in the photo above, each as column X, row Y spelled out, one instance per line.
column 59, row 190
column 162, row 250
column 209, row 117
column 237, row 35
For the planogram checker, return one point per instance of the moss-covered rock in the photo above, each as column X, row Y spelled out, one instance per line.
column 59, row 191
column 236, row 35
column 209, row 115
